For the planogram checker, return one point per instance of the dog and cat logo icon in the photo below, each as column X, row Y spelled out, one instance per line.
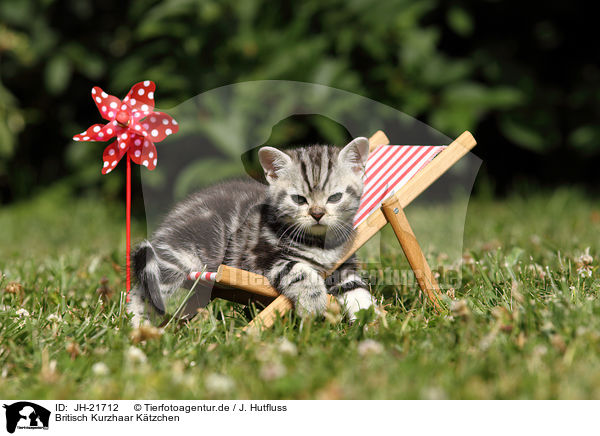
column 26, row 415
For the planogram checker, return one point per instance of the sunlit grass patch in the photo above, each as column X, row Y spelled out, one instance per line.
column 523, row 324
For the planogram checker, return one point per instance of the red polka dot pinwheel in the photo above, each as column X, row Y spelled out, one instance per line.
column 136, row 126
column 133, row 122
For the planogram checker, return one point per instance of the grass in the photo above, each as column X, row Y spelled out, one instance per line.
column 524, row 323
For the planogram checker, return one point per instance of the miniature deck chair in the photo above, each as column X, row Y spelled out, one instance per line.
column 394, row 177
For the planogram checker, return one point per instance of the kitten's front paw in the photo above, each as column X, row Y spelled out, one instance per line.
column 311, row 302
column 306, row 288
column 355, row 300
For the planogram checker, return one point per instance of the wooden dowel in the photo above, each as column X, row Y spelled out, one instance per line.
column 408, row 241
column 246, row 280
column 378, row 138
column 267, row 316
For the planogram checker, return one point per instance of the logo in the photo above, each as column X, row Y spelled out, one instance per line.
column 26, row 415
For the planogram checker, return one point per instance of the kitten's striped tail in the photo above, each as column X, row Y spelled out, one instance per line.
column 147, row 272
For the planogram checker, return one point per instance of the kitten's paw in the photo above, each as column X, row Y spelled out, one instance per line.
column 311, row 302
column 306, row 288
column 355, row 300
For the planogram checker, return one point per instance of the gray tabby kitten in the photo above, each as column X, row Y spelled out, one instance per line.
column 291, row 231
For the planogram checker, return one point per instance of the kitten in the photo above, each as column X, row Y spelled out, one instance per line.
column 291, row 231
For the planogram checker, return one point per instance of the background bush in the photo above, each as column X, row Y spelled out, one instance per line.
column 524, row 78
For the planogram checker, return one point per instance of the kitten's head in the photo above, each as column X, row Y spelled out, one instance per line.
column 316, row 188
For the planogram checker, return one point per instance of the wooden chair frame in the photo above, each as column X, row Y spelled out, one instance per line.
column 243, row 286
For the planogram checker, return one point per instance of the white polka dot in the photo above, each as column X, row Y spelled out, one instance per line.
column 114, row 123
column 150, row 155
column 145, row 133
column 150, row 95
column 145, row 163
column 124, row 136
column 137, row 127
column 153, row 119
column 154, row 162
column 146, row 83
column 75, row 138
column 113, row 105
column 96, row 128
column 165, row 121
column 122, row 145
column 104, row 94
column 168, row 131
column 146, row 125
column 137, row 142
column 98, row 99
column 154, row 132
column 103, row 108
column 126, row 99
column 144, row 107
column 105, row 164
column 132, row 101
column 109, row 131
column 123, row 107
column 100, row 135
column 108, row 170
column 137, row 153
column 85, row 138
column 111, row 152
column 93, row 90
column 111, row 113
column 114, row 162
column 146, row 143
column 174, row 122
column 141, row 91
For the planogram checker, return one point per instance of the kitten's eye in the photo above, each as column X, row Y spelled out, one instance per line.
column 298, row 199
column 335, row 198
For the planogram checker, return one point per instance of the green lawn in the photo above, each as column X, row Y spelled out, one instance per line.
column 524, row 324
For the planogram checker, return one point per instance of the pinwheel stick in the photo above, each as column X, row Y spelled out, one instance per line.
column 128, row 227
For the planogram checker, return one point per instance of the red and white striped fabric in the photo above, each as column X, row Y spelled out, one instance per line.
column 205, row 276
column 389, row 167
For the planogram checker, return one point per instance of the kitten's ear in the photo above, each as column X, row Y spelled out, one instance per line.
column 355, row 154
column 273, row 161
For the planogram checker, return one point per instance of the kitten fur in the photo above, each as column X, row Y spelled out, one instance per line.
column 291, row 231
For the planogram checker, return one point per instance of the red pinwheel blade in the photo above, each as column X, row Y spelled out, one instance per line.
column 141, row 96
column 97, row 132
column 107, row 104
column 143, row 152
column 159, row 125
column 111, row 157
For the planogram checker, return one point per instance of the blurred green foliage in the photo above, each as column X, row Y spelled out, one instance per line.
column 430, row 59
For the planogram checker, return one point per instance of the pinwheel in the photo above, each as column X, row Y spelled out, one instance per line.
column 136, row 126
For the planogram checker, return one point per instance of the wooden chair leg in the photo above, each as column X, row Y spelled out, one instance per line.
column 266, row 318
column 395, row 215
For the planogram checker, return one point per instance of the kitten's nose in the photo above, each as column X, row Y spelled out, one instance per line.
column 316, row 212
